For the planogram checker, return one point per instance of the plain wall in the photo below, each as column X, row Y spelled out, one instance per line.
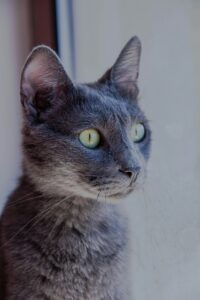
column 165, row 214
column 15, row 43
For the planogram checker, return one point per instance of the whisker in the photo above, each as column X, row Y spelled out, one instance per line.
column 99, row 193
column 40, row 215
column 22, row 201
column 51, row 231
column 24, row 196
column 56, row 222
column 105, row 195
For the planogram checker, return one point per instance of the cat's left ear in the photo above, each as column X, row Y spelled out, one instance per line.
column 125, row 71
column 43, row 82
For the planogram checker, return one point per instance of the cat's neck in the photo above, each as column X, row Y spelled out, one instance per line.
column 73, row 210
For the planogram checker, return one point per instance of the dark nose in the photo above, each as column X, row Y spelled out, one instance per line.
column 131, row 172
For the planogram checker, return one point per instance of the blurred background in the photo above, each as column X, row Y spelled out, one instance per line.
column 88, row 35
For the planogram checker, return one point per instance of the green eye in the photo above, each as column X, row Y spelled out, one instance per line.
column 138, row 132
column 90, row 138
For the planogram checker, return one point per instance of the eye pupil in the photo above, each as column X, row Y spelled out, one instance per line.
column 90, row 138
column 138, row 132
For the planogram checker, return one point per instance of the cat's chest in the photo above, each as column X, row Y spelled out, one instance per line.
column 94, row 268
column 87, row 265
column 100, row 245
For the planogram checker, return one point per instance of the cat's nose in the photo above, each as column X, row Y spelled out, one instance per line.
column 131, row 172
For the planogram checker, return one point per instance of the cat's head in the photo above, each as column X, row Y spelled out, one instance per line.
column 90, row 140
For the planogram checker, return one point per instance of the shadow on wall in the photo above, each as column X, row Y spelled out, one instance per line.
column 14, row 32
column 23, row 24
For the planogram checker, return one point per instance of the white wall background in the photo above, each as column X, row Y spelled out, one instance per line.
column 165, row 216
column 14, row 36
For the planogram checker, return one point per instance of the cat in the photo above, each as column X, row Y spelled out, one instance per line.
column 85, row 146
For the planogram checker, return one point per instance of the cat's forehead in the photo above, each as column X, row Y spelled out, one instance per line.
column 104, row 102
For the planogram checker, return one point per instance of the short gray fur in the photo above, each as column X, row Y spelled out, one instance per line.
column 62, row 235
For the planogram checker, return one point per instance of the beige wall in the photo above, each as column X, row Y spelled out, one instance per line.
column 165, row 216
column 13, row 49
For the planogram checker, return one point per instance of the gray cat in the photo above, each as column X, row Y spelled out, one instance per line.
column 85, row 146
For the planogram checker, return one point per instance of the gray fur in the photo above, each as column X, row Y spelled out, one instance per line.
column 62, row 236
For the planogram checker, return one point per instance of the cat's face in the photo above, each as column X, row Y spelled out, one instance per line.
column 90, row 140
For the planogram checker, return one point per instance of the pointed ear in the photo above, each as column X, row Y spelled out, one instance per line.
column 125, row 71
column 43, row 78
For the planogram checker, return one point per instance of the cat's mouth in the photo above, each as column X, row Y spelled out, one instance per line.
column 113, row 190
column 102, row 188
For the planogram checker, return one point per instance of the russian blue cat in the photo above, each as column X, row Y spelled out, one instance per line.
column 84, row 147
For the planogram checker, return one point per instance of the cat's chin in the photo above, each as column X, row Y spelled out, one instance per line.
column 113, row 197
column 119, row 196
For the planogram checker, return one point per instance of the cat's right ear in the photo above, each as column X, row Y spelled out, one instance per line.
column 43, row 81
column 124, row 73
